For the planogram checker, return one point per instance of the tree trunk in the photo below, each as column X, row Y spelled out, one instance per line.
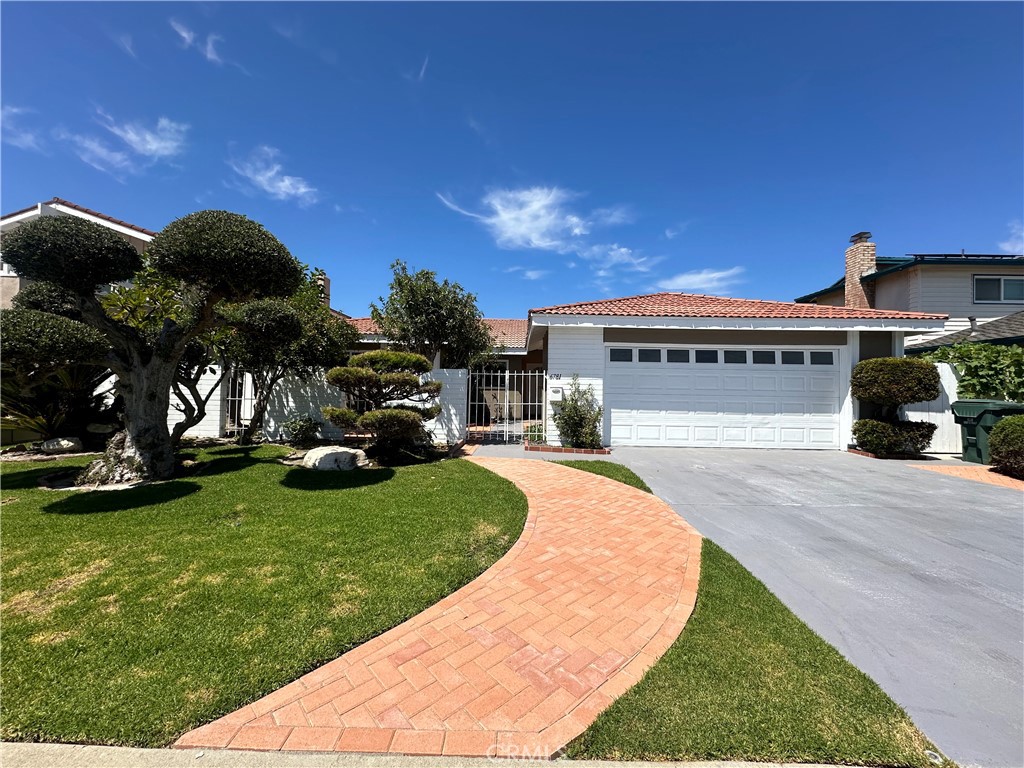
column 193, row 402
column 263, row 386
column 143, row 451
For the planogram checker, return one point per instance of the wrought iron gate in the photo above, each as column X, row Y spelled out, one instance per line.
column 507, row 406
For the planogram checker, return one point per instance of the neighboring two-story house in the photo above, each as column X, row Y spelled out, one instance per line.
column 967, row 287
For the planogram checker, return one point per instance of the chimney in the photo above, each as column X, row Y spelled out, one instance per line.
column 324, row 282
column 860, row 261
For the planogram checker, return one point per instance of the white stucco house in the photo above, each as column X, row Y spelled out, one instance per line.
column 676, row 369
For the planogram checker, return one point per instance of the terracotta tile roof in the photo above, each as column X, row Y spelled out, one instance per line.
column 89, row 211
column 504, row 332
column 699, row 305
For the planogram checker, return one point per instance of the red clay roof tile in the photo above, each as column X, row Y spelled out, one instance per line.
column 504, row 332
column 699, row 305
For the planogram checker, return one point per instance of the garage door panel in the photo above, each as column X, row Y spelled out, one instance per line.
column 697, row 404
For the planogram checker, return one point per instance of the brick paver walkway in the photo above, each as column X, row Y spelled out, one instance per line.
column 978, row 472
column 519, row 661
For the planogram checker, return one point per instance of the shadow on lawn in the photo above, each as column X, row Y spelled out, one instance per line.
column 302, row 479
column 92, row 502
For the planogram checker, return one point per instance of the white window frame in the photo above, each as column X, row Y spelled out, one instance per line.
column 1002, row 289
column 722, row 348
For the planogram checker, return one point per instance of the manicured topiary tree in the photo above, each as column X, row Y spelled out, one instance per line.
column 1006, row 446
column 393, row 398
column 889, row 383
column 213, row 258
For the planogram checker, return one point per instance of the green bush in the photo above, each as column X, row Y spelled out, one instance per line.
column 302, row 430
column 985, row 371
column 893, row 438
column 394, row 428
column 342, row 418
column 578, row 417
column 1006, row 446
column 894, row 381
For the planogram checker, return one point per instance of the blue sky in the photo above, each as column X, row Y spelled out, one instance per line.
column 537, row 154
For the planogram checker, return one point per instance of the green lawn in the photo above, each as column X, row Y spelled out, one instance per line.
column 747, row 680
column 130, row 617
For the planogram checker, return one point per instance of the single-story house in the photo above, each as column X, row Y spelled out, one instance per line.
column 676, row 369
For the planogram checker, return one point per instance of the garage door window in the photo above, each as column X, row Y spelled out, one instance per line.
column 620, row 355
column 648, row 355
column 821, row 358
column 677, row 355
column 764, row 357
column 705, row 356
column 792, row 358
column 735, row 356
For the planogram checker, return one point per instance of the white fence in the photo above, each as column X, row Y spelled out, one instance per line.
column 939, row 412
column 450, row 425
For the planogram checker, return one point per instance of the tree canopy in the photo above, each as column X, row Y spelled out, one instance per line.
column 425, row 316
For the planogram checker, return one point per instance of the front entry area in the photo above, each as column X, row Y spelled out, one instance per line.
column 717, row 396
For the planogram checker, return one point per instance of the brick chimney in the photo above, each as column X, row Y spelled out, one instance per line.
column 324, row 282
column 860, row 260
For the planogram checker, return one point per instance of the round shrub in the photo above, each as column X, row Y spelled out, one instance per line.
column 1006, row 446
column 227, row 253
column 70, row 252
column 895, row 381
column 47, row 297
column 302, row 430
column 390, row 361
column 893, row 438
column 34, row 341
column 265, row 327
column 393, row 427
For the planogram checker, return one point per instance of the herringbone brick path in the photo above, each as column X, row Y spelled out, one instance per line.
column 519, row 661
column 977, row 472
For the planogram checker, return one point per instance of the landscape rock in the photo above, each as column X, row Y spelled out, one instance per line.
column 101, row 429
column 334, row 457
column 62, row 445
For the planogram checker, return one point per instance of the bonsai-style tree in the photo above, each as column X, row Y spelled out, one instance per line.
column 213, row 256
column 394, row 399
column 275, row 338
column 889, row 383
column 426, row 317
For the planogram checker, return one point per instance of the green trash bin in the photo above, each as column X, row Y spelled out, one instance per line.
column 976, row 419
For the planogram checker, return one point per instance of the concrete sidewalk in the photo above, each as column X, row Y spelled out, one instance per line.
column 14, row 755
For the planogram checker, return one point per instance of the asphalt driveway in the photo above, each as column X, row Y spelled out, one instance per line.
column 916, row 577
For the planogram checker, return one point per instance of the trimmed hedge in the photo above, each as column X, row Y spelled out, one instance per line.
column 1006, row 446
column 895, row 381
column 893, row 438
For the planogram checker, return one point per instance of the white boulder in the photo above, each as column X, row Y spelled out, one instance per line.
column 62, row 445
column 334, row 457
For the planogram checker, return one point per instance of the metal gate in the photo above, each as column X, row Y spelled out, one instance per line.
column 506, row 406
column 238, row 402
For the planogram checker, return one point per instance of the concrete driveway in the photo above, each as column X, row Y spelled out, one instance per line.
column 915, row 577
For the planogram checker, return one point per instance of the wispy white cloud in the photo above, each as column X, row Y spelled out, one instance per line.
column 126, row 45
column 167, row 139
column 262, row 171
column 1015, row 242
column 187, row 35
column 550, row 219
column 209, row 50
column 14, row 131
column 717, row 281
column 418, row 76
column 99, row 154
column 534, row 274
column 674, row 231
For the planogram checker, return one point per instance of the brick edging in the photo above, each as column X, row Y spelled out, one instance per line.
column 892, row 457
column 528, row 446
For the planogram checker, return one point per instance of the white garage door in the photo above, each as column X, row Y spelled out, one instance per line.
column 752, row 397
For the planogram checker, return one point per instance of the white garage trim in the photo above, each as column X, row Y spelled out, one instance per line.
column 740, row 403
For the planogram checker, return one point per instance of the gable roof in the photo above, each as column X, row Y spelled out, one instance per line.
column 57, row 201
column 700, row 305
column 887, row 265
column 504, row 332
column 1004, row 330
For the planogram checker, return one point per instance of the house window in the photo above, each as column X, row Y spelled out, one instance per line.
column 995, row 290
column 620, row 355
column 648, row 355
column 764, row 357
column 677, row 355
column 792, row 358
column 705, row 356
column 821, row 358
